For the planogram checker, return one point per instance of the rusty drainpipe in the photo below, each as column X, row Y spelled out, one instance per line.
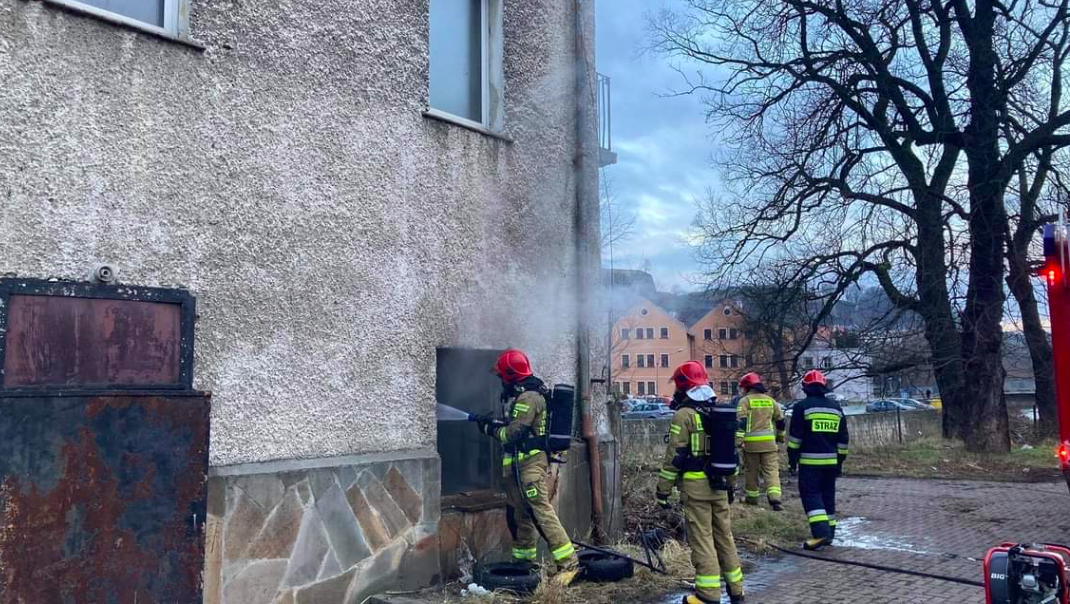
column 587, row 200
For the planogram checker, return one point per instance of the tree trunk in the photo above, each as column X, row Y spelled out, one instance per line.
column 1019, row 280
column 985, row 426
column 941, row 331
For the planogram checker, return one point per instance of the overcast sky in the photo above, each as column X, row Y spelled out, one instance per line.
column 663, row 146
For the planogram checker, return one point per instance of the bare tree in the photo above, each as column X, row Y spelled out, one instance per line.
column 1039, row 189
column 872, row 135
column 617, row 225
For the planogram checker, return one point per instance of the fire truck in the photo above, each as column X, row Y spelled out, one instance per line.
column 1039, row 573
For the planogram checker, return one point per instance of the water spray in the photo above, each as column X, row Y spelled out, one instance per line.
column 445, row 413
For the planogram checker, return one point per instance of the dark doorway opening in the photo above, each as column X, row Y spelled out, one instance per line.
column 470, row 460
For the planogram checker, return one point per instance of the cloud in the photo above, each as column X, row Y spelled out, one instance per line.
column 663, row 146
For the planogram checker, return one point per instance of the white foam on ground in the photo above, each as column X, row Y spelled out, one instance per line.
column 849, row 534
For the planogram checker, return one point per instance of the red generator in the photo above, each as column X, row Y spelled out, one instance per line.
column 1027, row 573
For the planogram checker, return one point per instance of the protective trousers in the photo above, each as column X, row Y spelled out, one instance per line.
column 767, row 467
column 530, row 497
column 713, row 551
column 817, row 489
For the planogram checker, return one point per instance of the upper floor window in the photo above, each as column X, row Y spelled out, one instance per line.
column 709, row 361
column 707, row 334
column 733, row 334
column 808, row 362
column 722, row 334
column 639, row 333
column 640, row 360
column 625, row 334
column 664, row 360
column 625, row 361
column 664, row 333
column 649, row 360
column 160, row 16
column 464, row 59
column 650, row 333
column 826, row 363
column 723, row 361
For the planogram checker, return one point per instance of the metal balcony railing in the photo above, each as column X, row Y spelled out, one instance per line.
column 606, row 155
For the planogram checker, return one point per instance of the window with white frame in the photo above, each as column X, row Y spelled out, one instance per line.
column 722, row 334
column 651, row 388
column 161, row 16
column 642, row 388
column 649, row 360
column 709, row 361
column 707, row 334
column 723, row 361
column 640, row 360
column 624, row 361
column 627, row 387
column 463, row 59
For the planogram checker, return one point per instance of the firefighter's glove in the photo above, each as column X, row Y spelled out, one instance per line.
column 663, row 502
column 839, row 469
column 780, row 438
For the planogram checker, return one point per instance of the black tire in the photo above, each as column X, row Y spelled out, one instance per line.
column 508, row 576
column 600, row 567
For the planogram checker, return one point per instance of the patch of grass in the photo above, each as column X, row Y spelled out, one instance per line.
column 948, row 459
column 759, row 526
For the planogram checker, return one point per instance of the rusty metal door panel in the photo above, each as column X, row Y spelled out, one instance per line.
column 102, row 497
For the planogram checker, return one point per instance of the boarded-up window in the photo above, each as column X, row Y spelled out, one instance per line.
column 466, row 383
column 63, row 336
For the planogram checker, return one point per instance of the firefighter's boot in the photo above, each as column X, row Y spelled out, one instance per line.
column 736, row 599
column 776, row 505
column 816, row 543
column 565, row 577
column 697, row 599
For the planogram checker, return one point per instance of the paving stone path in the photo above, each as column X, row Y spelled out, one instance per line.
column 935, row 526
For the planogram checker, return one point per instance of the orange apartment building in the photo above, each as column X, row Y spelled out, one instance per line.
column 649, row 343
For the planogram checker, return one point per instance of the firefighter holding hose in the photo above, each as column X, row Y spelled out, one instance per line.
column 526, row 465
column 761, row 429
column 701, row 460
column 818, row 442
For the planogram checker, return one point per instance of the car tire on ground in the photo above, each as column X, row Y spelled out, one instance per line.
column 507, row 576
column 604, row 568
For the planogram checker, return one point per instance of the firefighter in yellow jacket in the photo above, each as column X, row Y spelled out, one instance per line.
column 761, row 429
column 526, row 466
column 701, row 460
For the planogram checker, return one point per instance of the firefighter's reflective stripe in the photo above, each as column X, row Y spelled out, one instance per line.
column 775, row 491
column 794, row 443
column 734, row 576
column 508, row 460
column 674, row 429
column 708, row 581
column 519, row 408
column 503, row 435
column 758, row 436
column 832, row 520
column 822, row 410
column 753, row 494
column 725, row 466
column 667, row 475
column 563, row 552
column 697, row 438
column 841, row 448
column 694, row 476
column 819, row 459
column 817, row 516
column 525, row 554
column 740, row 434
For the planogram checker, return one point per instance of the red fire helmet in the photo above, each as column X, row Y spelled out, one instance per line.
column 690, row 375
column 750, row 380
column 512, row 366
column 814, row 377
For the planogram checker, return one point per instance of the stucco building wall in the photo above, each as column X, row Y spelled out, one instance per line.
column 285, row 174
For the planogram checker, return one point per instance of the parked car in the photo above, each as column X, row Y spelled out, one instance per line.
column 631, row 403
column 914, row 404
column 887, row 406
column 648, row 411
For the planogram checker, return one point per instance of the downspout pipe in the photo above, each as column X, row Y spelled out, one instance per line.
column 586, row 165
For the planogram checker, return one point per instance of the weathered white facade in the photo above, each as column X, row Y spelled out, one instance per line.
column 282, row 168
